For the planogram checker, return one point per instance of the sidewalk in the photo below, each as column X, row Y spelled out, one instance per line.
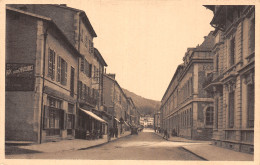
column 181, row 139
column 63, row 145
column 207, row 151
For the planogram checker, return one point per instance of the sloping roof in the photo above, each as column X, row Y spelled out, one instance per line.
column 52, row 25
column 99, row 57
column 83, row 16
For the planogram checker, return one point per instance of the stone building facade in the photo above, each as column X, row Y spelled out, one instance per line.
column 41, row 79
column 186, row 108
column 233, row 78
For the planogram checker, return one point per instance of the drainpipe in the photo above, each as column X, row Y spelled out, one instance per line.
column 43, row 78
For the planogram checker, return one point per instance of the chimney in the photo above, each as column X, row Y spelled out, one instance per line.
column 113, row 76
column 65, row 5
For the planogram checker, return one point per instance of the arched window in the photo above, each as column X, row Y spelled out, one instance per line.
column 209, row 116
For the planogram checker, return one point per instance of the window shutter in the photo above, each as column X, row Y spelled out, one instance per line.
column 66, row 72
column 58, row 69
column 53, row 65
column 49, row 63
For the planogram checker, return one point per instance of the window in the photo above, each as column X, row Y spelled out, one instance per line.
column 70, row 108
column 72, row 72
column 209, row 116
column 91, row 47
column 51, row 64
column 90, row 71
column 64, row 68
column 82, row 64
column 252, row 36
column 250, row 105
column 232, row 52
column 53, row 117
column 231, row 109
column 217, row 59
column 80, row 89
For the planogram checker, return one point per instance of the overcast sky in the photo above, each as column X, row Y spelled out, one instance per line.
column 144, row 41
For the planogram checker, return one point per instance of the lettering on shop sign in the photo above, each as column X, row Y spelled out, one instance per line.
column 207, row 67
column 19, row 77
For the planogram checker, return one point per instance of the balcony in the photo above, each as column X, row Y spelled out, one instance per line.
column 212, row 83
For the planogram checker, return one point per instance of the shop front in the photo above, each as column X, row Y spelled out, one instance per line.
column 90, row 126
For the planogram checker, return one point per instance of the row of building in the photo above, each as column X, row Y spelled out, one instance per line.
column 211, row 94
column 56, row 85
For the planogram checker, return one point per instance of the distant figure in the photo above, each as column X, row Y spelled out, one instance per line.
column 165, row 135
column 116, row 132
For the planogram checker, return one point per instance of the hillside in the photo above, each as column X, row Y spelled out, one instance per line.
column 143, row 105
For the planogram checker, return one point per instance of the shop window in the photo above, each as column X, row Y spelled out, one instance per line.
column 209, row 116
column 51, row 64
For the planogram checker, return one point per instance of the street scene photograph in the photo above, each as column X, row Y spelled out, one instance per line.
column 130, row 80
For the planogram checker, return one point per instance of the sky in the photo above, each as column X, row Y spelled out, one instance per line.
column 143, row 41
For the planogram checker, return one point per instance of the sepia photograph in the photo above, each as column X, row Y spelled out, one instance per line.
column 129, row 80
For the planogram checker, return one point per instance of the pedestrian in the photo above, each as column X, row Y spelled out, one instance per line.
column 165, row 134
column 116, row 132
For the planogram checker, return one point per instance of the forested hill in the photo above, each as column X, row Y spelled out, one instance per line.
column 143, row 105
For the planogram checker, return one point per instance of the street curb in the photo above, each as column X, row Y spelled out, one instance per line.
column 98, row 145
column 194, row 154
column 178, row 140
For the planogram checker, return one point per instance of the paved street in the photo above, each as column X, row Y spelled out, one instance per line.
column 145, row 146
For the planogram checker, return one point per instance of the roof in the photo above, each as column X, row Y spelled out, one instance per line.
column 174, row 76
column 99, row 57
column 83, row 16
column 52, row 25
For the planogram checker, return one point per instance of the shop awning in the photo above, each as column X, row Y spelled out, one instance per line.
column 117, row 120
column 93, row 115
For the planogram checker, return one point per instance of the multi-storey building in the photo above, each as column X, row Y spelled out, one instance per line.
column 157, row 120
column 76, row 26
column 41, row 79
column 233, row 77
column 116, row 103
column 186, row 107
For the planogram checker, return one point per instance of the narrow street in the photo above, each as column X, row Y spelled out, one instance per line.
column 145, row 146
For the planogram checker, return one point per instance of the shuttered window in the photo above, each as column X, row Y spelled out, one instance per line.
column 51, row 64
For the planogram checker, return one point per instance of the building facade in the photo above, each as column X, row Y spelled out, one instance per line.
column 75, row 26
column 186, row 108
column 41, row 79
column 116, row 103
column 232, row 81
